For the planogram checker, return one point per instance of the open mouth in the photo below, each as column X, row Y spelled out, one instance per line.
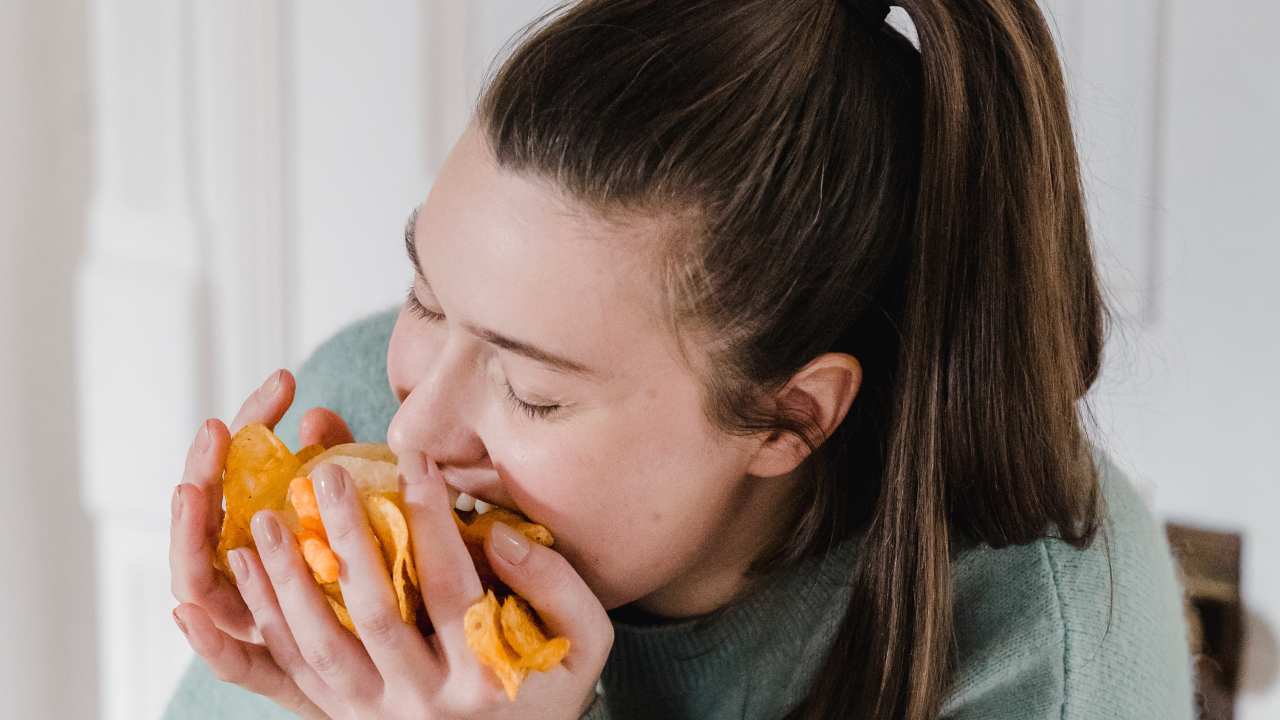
column 470, row 507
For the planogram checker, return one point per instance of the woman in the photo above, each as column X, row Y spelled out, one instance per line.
column 783, row 328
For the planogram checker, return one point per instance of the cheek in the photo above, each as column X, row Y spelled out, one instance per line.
column 631, row 502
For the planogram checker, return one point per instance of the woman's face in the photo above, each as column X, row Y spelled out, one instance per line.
column 542, row 306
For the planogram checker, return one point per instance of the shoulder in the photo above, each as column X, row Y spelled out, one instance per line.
column 1049, row 630
column 347, row 373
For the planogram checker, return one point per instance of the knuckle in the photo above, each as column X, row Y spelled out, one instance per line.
column 228, row 670
column 448, row 589
column 342, row 529
column 255, row 602
column 289, row 660
column 322, row 657
column 284, row 581
column 382, row 628
column 192, row 588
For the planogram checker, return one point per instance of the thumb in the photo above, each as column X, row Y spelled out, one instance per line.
column 563, row 601
column 322, row 426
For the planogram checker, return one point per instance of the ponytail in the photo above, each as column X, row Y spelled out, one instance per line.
column 838, row 191
column 1002, row 329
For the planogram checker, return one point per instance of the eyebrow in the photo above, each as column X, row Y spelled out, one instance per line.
column 520, row 347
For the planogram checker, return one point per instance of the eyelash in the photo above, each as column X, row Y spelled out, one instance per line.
column 533, row 411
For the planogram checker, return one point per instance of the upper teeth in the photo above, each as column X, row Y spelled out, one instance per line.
column 467, row 503
column 464, row 502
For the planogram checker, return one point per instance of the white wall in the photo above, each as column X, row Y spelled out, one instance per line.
column 48, row 605
column 1177, row 104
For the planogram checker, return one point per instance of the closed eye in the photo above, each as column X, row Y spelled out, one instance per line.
column 533, row 411
column 417, row 308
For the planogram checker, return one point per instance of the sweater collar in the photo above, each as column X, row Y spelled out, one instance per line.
column 781, row 615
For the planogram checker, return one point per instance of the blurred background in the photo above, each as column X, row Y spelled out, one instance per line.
column 193, row 194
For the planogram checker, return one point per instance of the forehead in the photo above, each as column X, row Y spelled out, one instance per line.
column 511, row 254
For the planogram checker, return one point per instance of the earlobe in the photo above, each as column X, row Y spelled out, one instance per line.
column 821, row 392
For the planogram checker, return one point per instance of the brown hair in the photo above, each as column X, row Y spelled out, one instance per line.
column 840, row 191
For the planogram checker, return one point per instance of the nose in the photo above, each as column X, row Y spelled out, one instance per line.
column 438, row 417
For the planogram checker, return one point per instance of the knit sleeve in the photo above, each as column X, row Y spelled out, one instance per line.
column 347, row 374
column 597, row 711
column 1046, row 630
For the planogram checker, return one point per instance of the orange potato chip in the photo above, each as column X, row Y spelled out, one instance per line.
column 319, row 556
column 392, row 531
column 478, row 528
column 547, row 656
column 261, row 473
column 518, row 627
column 255, row 477
column 486, row 641
column 308, row 452
column 302, row 496
column 344, row 617
column 522, row 633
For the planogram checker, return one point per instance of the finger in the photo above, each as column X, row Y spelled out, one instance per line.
column 563, row 600
column 322, row 426
column 336, row 655
column 268, row 403
column 255, row 586
column 203, row 469
column 397, row 649
column 249, row 666
column 446, row 572
column 192, row 577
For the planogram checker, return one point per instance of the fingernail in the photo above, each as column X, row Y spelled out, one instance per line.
column 273, row 383
column 330, row 483
column 238, row 566
column 269, row 529
column 509, row 543
column 175, row 507
column 178, row 620
column 202, row 439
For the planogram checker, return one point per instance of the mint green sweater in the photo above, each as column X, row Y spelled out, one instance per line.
column 1031, row 622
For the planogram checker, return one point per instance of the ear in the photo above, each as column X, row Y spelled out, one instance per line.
column 823, row 390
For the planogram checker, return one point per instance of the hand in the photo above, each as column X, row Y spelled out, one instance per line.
column 197, row 512
column 392, row 671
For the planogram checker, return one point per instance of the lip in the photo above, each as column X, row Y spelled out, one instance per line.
column 480, row 483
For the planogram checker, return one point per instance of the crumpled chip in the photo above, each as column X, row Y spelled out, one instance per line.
column 262, row 474
column 392, row 531
column 256, row 476
column 522, row 633
column 485, row 638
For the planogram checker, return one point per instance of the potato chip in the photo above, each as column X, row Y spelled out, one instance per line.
column 308, row 452
column 521, row 631
column 255, row 477
column 302, row 496
column 260, row 473
column 485, row 639
column 547, row 656
column 392, row 531
column 365, row 451
column 478, row 528
column 343, row 616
